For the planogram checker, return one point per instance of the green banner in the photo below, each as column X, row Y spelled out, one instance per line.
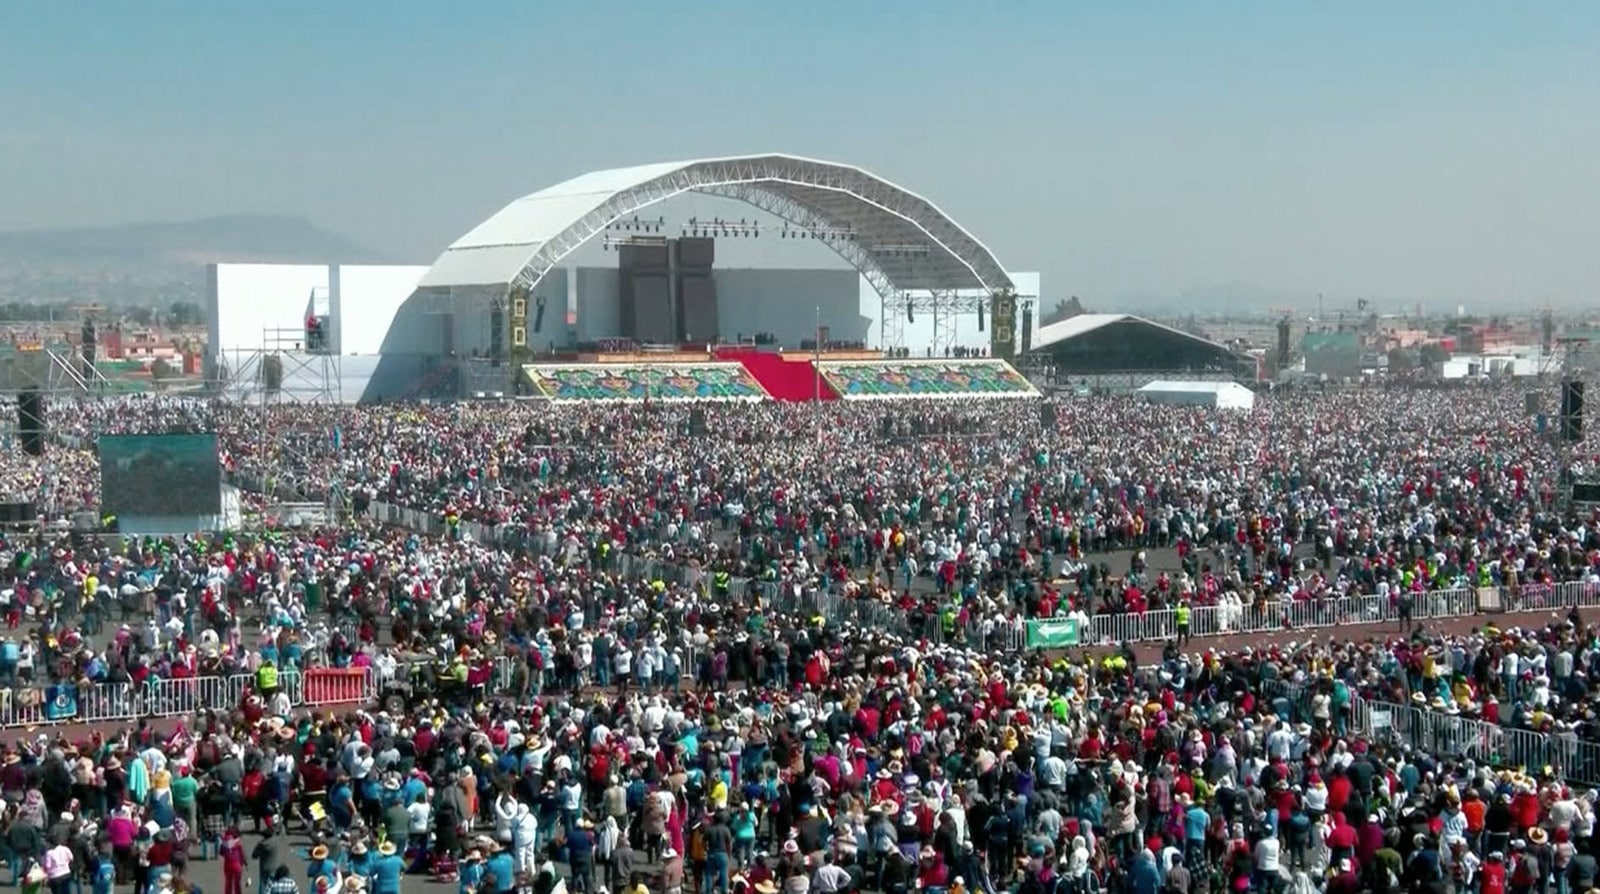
column 1057, row 633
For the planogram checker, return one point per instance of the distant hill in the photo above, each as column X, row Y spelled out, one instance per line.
column 158, row 261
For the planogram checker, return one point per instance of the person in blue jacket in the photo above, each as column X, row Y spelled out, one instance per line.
column 387, row 869
column 471, row 872
column 1143, row 876
column 502, row 868
column 359, row 860
column 320, row 865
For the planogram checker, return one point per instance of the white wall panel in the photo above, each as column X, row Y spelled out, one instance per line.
column 250, row 298
column 369, row 297
column 785, row 303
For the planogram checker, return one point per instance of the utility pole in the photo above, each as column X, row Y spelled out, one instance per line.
column 816, row 376
column 1566, row 448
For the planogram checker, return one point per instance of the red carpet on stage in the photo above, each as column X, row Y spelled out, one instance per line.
column 784, row 379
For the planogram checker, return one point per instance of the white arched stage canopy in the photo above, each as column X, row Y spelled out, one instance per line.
column 527, row 238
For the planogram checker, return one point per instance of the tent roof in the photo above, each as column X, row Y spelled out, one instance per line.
column 1083, row 324
column 898, row 239
column 1173, row 387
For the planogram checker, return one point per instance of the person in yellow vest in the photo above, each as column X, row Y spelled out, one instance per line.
column 267, row 680
column 1181, row 616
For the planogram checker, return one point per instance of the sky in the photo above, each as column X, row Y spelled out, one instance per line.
column 1438, row 152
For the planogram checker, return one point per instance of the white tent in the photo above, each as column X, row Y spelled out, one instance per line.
column 1228, row 395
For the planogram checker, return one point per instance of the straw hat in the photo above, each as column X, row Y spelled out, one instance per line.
column 386, row 848
column 353, row 883
column 320, row 852
column 359, row 848
column 1538, row 835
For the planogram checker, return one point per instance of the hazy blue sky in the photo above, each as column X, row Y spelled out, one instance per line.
column 1442, row 151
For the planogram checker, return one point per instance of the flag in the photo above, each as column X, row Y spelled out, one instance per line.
column 61, row 702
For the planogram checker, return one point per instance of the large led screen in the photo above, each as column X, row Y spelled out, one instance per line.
column 160, row 475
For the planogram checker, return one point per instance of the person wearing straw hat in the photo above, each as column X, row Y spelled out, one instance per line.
column 359, row 859
column 470, row 873
column 387, row 869
column 321, row 865
column 501, row 866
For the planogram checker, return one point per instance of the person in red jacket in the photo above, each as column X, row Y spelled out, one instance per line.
column 233, row 860
column 1338, row 790
column 1492, row 875
column 1525, row 809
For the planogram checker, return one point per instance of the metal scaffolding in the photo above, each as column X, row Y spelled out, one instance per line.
column 279, row 370
column 54, row 371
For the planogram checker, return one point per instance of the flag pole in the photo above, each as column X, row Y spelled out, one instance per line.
column 816, row 376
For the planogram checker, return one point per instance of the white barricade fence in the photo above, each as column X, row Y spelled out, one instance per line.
column 1279, row 614
column 1453, row 735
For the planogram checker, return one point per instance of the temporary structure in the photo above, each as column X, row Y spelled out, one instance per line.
column 1228, row 395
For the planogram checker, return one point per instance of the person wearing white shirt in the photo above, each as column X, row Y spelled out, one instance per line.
column 420, row 817
column 525, row 838
column 1267, row 863
column 505, row 816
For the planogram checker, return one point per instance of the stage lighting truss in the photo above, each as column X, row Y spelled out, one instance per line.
column 637, row 225
column 607, row 243
column 906, row 250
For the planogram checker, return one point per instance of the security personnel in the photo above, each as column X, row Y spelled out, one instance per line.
column 1181, row 616
column 267, row 679
column 720, row 584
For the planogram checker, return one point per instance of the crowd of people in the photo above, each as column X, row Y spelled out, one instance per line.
column 1134, row 506
column 587, row 699
column 799, row 753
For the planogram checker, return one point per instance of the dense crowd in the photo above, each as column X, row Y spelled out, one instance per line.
column 659, row 743
column 553, row 715
column 1116, row 506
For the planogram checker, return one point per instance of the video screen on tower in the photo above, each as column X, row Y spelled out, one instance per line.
column 160, row 475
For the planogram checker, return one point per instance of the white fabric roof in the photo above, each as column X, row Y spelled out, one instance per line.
column 1073, row 327
column 522, row 241
column 1174, row 387
column 1230, row 395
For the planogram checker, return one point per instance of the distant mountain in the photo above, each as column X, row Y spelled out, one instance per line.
column 158, row 261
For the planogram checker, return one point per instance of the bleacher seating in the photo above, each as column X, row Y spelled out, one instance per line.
column 644, row 381
column 886, row 379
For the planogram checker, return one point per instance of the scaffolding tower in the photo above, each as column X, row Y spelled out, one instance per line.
column 294, row 366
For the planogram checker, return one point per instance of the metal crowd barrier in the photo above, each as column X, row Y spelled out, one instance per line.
column 1452, row 735
column 100, row 702
column 1277, row 615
